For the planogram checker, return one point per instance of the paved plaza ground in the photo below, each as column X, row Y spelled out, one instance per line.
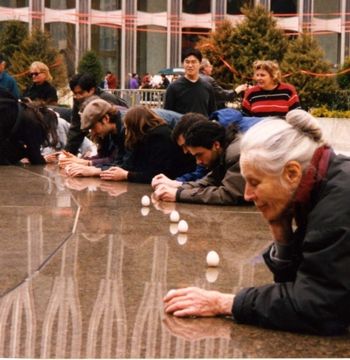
column 84, row 269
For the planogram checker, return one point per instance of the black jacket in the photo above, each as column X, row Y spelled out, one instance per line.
column 312, row 293
column 154, row 155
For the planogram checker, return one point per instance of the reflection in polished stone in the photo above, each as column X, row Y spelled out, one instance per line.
column 84, row 273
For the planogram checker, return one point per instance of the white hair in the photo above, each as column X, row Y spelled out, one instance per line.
column 272, row 143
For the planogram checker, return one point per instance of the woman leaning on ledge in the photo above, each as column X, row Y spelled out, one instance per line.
column 292, row 176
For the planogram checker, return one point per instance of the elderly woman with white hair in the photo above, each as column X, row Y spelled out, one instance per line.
column 293, row 177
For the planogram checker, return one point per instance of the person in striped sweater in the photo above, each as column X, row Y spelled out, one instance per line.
column 270, row 96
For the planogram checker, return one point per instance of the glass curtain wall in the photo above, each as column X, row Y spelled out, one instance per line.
column 330, row 41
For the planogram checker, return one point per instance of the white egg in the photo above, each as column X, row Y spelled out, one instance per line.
column 145, row 200
column 182, row 226
column 182, row 239
column 174, row 216
column 61, row 156
column 213, row 258
column 145, row 211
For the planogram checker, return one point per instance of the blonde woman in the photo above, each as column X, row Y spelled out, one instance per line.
column 270, row 96
column 41, row 89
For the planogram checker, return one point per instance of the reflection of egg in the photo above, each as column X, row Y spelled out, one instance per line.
column 145, row 200
column 212, row 274
column 174, row 216
column 182, row 226
column 182, row 239
column 145, row 211
column 213, row 258
column 173, row 229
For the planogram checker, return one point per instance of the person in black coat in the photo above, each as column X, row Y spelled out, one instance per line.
column 41, row 89
column 293, row 177
column 23, row 131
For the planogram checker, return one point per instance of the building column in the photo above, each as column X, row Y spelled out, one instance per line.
column 83, row 29
column 36, row 9
column 129, row 40
column 345, row 43
column 174, row 27
column 218, row 11
column 307, row 15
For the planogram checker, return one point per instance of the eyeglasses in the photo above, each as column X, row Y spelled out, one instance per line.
column 34, row 74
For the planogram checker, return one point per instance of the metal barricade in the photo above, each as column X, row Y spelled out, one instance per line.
column 152, row 98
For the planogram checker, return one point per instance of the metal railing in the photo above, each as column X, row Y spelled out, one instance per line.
column 152, row 98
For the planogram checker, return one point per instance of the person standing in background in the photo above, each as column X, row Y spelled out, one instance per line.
column 221, row 95
column 7, row 82
column 190, row 93
column 41, row 89
column 270, row 96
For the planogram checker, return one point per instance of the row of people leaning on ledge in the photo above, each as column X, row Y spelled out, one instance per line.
column 284, row 166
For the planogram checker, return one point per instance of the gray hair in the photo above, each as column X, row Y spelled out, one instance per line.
column 272, row 143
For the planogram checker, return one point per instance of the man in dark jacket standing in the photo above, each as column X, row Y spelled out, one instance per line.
column 190, row 93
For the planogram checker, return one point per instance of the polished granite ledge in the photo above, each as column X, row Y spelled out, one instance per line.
column 84, row 269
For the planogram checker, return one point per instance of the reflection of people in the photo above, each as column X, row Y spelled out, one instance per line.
column 270, row 96
column 41, row 88
column 190, row 93
column 293, row 177
column 221, row 95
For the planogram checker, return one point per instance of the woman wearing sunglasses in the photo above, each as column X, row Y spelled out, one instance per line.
column 41, row 89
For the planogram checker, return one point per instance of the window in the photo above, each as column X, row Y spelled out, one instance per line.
column 63, row 36
column 152, row 6
column 234, row 6
column 151, row 49
column 327, row 10
column 60, row 4
column 190, row 36
column 106, row 43
column 106, row 5
column 284, row 7
column 196, row 7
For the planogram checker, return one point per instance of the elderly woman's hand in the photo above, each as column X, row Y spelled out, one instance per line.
column 193, row 301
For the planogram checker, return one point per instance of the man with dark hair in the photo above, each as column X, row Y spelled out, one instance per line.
column 100, row 118
column 7, row 82
column 190, row 93
column 178, row 137
column 83, row 87
column 216, row 148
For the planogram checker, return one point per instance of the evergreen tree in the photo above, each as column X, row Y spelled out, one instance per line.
column 304, row 53
column 256, row 37
column 90, row 63
column 344, row 79
column 11, row 37
column 38, row 47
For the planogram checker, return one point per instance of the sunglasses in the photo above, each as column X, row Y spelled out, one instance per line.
column 34, row 74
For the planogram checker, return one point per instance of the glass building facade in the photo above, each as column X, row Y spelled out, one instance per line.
column 144, row 36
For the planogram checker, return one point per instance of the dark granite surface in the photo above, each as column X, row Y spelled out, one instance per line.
column 84, row 269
